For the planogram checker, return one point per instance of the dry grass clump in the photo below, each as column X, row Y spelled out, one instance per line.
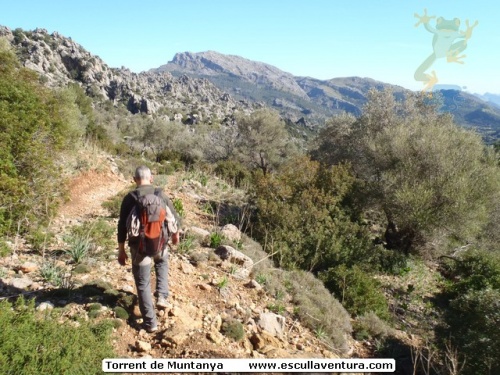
column 318, row 309
column 369, row 325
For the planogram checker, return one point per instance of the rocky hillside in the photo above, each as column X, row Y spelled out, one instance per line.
column 60, row 60
column 212, row 63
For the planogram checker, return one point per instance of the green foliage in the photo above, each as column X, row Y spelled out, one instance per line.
column 223, row 283
column 95, row 306
column 474, row 270
column 428, row 176
column 4, row 248
column 99, row 233
column 52, row 273
column 186, row 244
column 358, row 291
column 78, row 249
column 233, row 172
column 215, row 239
column 179, row 207
column 121, row 313
column 233, row 328
column 276, row 307
column 40, row 238
column 301, row 216
column 82, row 268
column 35, row 124
column 472, row 316
column 473, row 328
column 317, row 308
column 263, row 141
column 34, row 343
column 113, row 204
column 261, row 279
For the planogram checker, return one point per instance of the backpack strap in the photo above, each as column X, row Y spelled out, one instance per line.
column 135, row 195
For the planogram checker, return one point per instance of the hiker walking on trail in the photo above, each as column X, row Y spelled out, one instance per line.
column 148, row 219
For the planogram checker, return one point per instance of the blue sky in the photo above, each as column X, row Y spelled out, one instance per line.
column 318, row 38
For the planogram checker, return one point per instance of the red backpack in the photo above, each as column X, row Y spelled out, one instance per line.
column 146, row 223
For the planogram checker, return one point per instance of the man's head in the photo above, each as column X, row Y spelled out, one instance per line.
column 143, row 176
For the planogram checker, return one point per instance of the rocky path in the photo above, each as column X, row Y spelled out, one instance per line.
column 208, row 291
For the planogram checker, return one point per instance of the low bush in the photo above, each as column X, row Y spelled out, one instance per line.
column 302, row 218
column 233, row 328
column 233, row 172
column 472, row 316
column 179, row 207
column 121, row 313
column 215, row 240
column 4, row 248
column 36, row 343
column 358, row 291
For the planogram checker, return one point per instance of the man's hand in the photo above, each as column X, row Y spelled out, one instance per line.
column 122, row 255
column 175, row 238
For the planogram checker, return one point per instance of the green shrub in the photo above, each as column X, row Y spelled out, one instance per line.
column 358, row 291
column 34, row 343
column 187, row 244
column 4, row 248
column 36, row 124
column 82, row 268
column 473, row 328
column 95, row 307
column 223, row 283
column 233, row 328
column 179, row 207
column 302, row 219
column 233, row 172
column 215, row 240
column 121, row 313
column 473, row 270
column 471, row 319
column 277, row 308
column 40, row 238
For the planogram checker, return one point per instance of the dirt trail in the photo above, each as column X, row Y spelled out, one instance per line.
column 87, row 193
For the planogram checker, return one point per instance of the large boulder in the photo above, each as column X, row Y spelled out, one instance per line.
column 272, row 323
column 231, row 232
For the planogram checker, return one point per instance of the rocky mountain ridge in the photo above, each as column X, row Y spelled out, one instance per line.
column 211, row 86
column 309, row 100
column 60, row 60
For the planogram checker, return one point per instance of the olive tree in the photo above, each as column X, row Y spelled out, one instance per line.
column 264, row 142
column 427, row 175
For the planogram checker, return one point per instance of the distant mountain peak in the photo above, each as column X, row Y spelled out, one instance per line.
column 210, row 63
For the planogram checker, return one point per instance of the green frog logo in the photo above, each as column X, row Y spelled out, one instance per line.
column 445, row 33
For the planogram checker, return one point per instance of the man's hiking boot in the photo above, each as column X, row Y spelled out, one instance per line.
column 162, row 303
column 151, row 329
